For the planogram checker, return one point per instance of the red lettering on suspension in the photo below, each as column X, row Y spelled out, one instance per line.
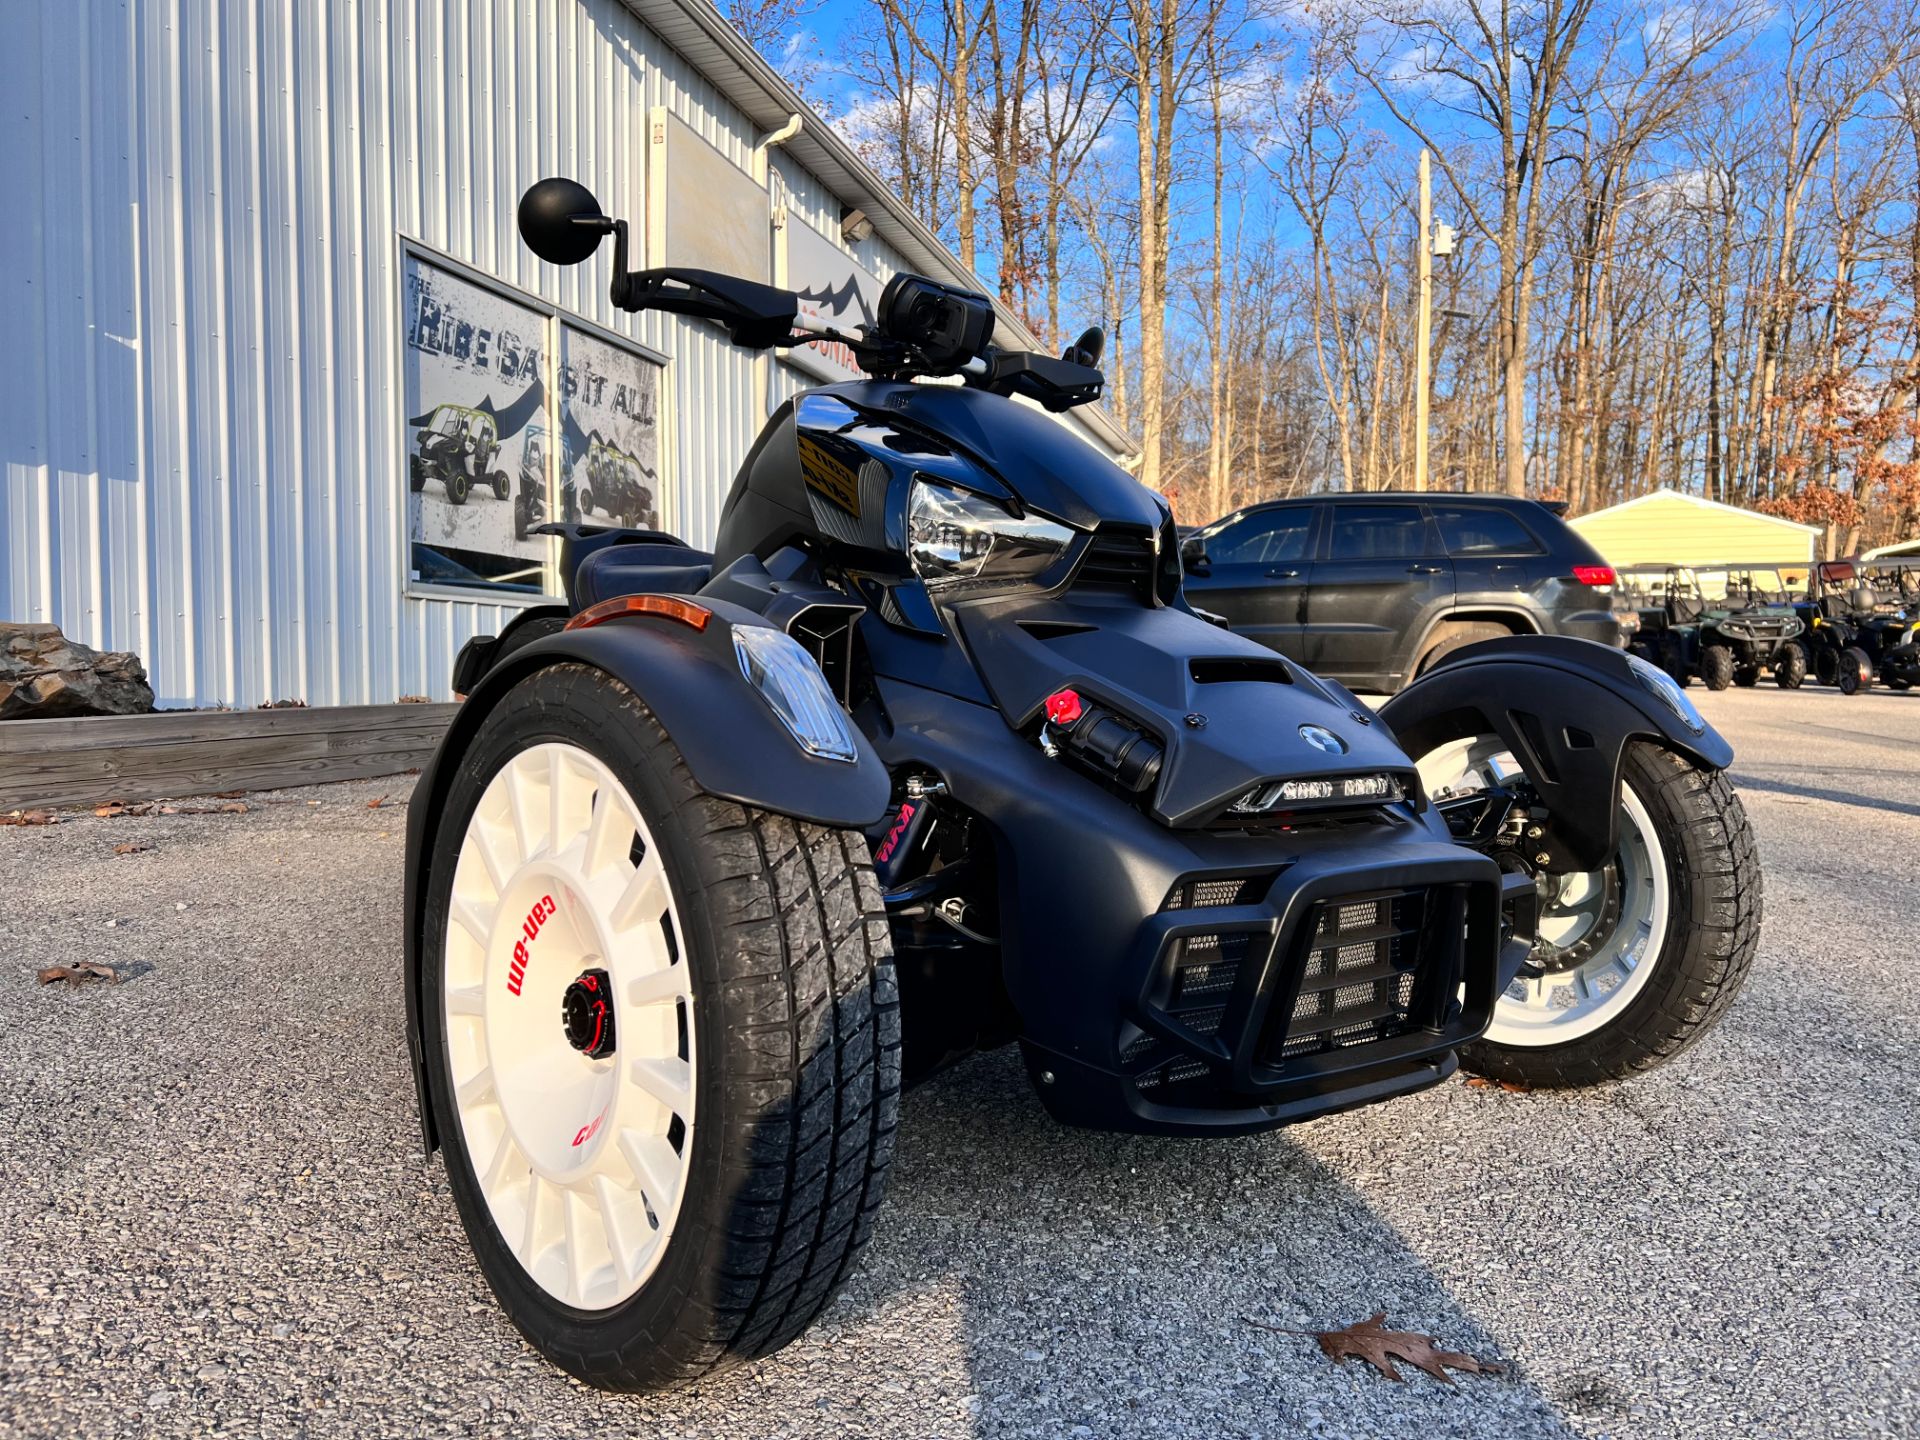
column 885, row 851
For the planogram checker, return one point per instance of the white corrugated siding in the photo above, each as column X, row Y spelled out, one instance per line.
column 200, row 399
column 200, row 403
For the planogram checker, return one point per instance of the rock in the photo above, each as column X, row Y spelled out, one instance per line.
column 45, row 676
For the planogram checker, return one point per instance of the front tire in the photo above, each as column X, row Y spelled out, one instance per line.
column 1639, row 960
column 691, row 1195
column 1790, row 666
column 1853, row 671
column 1716, row 667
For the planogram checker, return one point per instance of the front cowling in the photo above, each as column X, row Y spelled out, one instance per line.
column 1234, row 719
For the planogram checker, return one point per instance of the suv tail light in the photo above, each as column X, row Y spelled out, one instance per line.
column 1598, row 576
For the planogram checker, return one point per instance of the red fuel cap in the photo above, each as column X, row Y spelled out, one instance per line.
column 1064, row 707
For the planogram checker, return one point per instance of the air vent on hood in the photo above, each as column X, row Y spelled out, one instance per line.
column 1232, row 668
column 1117, row 558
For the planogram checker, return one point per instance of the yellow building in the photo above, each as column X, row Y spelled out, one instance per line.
column 1671, row 528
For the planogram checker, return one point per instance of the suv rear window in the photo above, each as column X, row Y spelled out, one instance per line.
column 1378, row 532
column 1477, row 530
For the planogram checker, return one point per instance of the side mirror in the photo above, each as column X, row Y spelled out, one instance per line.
column 1088, row 349
column 561, row 221
column 1193, row 554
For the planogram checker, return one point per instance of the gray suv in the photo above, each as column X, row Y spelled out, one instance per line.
column 1372, row 589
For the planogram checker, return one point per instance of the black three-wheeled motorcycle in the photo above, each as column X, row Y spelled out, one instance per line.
column 930, row 754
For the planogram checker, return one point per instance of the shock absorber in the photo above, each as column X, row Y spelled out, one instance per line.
column 905, row 832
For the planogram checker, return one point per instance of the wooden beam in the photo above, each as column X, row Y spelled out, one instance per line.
column 200, row 752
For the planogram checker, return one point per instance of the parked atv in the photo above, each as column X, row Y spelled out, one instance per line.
column 1728, row 625
column 1850, row 627
column 1889, row 633
column 1750, row 616
column 930, row 754
column 457, row 446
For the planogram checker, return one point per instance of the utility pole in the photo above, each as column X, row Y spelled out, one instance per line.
column 1423, row 338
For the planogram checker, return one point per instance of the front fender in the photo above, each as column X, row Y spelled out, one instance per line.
column 1566, row 709
column 732, row 742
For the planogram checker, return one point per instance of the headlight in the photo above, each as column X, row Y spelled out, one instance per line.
column 1284, row 794
column 958, row 540
column 1664, row 687
column 793, row 686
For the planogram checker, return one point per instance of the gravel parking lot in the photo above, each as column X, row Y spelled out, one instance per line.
column 215, row 1217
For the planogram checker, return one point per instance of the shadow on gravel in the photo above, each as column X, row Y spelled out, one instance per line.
column 1108, row 1281
column 1852, row 799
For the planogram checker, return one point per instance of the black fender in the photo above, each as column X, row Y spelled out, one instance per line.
column 1567, row 709
column 732, row 742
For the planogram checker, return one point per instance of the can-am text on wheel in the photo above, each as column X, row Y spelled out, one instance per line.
column 931, row 754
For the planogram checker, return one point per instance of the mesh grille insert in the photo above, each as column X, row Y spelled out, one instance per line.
column 1357, row 978
column 1205, row 892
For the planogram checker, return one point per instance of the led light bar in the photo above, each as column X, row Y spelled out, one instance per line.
column 1340, row 789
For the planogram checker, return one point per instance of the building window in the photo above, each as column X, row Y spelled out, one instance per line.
column 515, row 415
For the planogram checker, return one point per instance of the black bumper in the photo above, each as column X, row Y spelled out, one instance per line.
column 1337, row 982
column 1117, row 933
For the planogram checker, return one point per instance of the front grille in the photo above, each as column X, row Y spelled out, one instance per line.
column 1357, row 983
column 1118, row 559
column 1206, row 967
column 1228, row 890
column 1245, row 1000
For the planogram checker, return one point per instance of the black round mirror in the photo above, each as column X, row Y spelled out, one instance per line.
column 1088, row 349
column 561, row 221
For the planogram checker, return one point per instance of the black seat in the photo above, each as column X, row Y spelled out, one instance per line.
column 640, row 570
column 1685, row 609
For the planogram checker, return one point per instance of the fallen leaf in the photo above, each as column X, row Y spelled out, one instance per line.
column 376, row 802
column 1371, row 1341
column 131, row 847
column 415, row 700
column 233, row 807
column 228, row 794
column 30, row 817
column 1512, row 1087
column 77, row 974
column 110, row 809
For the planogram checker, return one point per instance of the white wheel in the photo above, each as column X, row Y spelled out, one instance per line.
column 1600, row 932
column 660, row 1035
column 568, row 1008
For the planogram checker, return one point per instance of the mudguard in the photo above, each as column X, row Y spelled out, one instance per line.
column 1566, row 708
column 732, row 742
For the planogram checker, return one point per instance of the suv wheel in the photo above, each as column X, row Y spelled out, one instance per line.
column 1451, row 635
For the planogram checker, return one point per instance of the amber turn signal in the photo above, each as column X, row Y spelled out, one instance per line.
column 671, row 607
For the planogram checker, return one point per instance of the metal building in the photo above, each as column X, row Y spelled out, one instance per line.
column 284, row 386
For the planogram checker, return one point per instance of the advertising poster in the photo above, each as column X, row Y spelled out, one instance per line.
column 834, row 286
column 476, row 453
column 609, row 433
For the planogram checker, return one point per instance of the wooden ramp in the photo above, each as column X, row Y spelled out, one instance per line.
column 195, row 752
